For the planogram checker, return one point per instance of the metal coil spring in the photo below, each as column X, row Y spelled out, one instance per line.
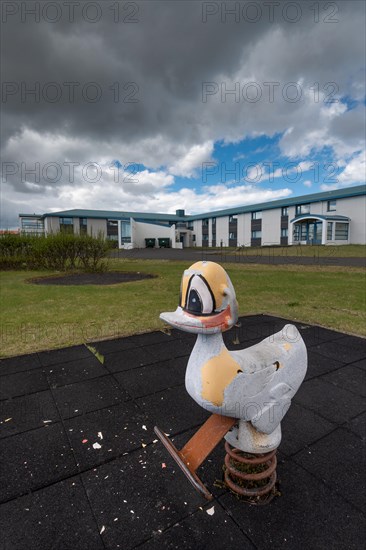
column 255, row 495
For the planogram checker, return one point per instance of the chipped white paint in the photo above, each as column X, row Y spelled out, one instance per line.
column 256, row 384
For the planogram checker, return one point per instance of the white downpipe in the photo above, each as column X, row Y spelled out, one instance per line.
column 324, row 232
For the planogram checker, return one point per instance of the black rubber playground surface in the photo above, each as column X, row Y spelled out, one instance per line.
column 81, row 467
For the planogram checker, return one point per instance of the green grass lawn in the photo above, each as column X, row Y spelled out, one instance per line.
column 35, row 317
column 345, row 251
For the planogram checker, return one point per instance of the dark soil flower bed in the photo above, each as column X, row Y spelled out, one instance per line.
column 108, row 278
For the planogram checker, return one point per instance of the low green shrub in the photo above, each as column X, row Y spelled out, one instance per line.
column 17, row 251
column 91, row 251
column 60, row 251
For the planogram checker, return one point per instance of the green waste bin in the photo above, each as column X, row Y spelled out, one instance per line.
column 164, row 243
column 150, row 243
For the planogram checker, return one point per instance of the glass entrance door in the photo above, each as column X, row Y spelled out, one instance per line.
column 308, row 231
column 314, row 232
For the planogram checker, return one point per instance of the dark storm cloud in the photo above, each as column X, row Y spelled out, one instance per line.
column 165, row 55
column 149, row 75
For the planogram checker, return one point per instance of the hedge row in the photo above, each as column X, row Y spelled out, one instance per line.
column 60, row 251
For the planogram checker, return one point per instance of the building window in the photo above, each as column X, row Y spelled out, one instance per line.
column 232, row 236
column 66, row 225
column 284, row 232
column 32, row 225
column 332, row 205
column 233, row 218
column 329, row 231
column 300, row 232
column 190, row 226
column 257, row 215
column 284, row 211
column 193, row 238
column 302, row 209
column 256, row 234
column 83, row 226
column 205, row 237
column 112, row 230
column 341, row 231
column 213, row 221
column 204, row 223
column 304, row 232
column 125, row 232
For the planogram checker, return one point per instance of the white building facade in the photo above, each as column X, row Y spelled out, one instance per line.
column 335, row 217
column 329, row 218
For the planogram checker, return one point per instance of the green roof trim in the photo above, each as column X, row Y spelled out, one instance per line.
column 114, row 215
column 31, row 215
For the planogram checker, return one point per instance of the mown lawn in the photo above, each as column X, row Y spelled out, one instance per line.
column 315, row 251
column 35, row 317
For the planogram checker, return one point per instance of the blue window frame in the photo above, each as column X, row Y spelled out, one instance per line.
column 309, row 231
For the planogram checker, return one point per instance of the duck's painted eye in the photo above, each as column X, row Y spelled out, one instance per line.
column 199, row 297
column 194, row 302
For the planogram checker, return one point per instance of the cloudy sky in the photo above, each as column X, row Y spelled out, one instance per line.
column 159, row 105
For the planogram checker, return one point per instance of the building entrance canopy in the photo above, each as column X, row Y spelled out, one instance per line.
column 319, row 229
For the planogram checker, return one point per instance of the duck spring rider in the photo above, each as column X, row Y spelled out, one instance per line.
column 247, row 391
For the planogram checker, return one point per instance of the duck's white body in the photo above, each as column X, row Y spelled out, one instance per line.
column 256, row 384
column 261, row 394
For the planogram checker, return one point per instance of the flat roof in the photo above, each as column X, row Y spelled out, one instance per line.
column 31, row 215
column 113, row 214
column 157, row 216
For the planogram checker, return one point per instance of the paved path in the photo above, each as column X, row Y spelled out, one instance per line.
column 264, row 256
column 82, row 469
